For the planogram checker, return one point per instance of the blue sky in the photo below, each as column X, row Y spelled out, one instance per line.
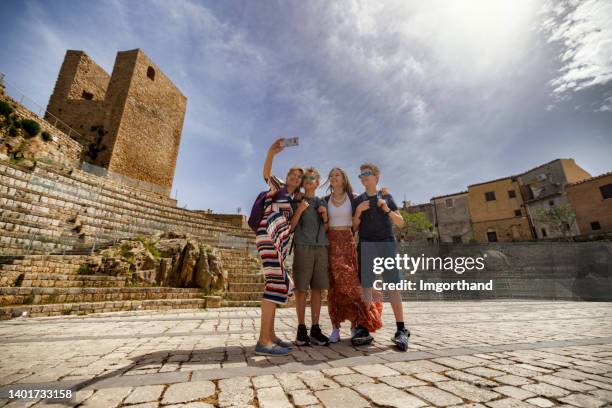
column 440, row 94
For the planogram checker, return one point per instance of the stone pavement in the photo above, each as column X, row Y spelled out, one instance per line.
column 480, row 354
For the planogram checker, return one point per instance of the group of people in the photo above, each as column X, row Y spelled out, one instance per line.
column 320, row 234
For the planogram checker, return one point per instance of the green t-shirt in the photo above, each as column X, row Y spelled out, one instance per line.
column 310, row 230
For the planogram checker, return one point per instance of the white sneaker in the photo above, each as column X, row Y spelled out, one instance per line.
column 334, row 337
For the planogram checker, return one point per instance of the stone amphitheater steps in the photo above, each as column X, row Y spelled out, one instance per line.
column 57, row 280
column 104, row 209
column 34, row 296
column 57, row 309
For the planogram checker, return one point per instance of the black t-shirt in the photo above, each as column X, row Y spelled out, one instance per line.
column 375, row 224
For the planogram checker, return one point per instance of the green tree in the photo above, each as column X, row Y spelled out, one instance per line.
column 416, row 227
column 560, row 218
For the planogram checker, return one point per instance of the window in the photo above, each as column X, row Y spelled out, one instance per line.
column 511, row 194
column 595, row 226
column 492, row 236
column 449, row 202
column 606, row 191
column 517, row 213
column 87, row 95
column 151, row 73
column 544, row 233
column 457, row 239
column 490, row 196
column 530, row 195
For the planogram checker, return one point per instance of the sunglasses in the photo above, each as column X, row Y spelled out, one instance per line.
column 310, row 178
column 366, row 174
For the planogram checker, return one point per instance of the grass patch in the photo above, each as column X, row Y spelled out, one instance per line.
column 84, row 270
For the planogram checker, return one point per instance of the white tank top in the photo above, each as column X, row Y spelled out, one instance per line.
column 340, row 216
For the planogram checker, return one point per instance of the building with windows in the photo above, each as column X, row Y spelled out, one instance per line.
column 543, row 189
column 591, row 199
column 497, row 211
column 452, row 217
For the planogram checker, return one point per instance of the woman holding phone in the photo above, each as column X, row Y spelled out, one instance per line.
column 273, row 241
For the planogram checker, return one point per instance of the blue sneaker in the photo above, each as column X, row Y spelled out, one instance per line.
column 283, row 343
column 273, row 350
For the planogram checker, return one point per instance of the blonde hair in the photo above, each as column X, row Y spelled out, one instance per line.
column 294, row 168
column 370, row 166
column 311, row 170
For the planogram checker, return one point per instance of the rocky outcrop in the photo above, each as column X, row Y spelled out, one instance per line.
column 166, row 259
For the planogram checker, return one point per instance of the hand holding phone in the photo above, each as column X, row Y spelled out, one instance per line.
column 291, row 141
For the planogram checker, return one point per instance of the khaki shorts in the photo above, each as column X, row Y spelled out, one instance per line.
column 310, row 267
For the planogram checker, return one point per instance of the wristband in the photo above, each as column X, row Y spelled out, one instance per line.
column 388, row 212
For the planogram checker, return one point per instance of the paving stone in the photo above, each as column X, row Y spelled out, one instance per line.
column 319, row 383
column 431, row 377
column 435, row 396
column 509, row 403
column 514, row 392
column 513, row 380
column 583, row 400
column 565, row 383
column 107, row 397
column 599, row 384
column 290, row 382
column 303, row 397
column 265, row 381
column 546, row 390
column 375, row 370
column 196, row 404
column 453, row 362
column 341, row 397
column 602, row 394
column 235, row 391
column 540, row 402
column 349, row 380
column 332, row 372
column 415, row 367
column 467, row 391
column 147, row 393
column 484, row 372
column 401, row 381
column 187, row 392
column 273, row 397
column 387, row 396
column 515, row 370
column 470, row 378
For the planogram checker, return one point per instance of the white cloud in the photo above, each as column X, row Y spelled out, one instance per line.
column 585, row 32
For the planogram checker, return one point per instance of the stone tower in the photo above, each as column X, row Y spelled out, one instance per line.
column 129, row 122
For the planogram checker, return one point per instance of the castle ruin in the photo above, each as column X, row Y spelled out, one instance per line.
column 129, row 122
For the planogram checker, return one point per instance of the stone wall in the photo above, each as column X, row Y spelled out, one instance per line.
column 545, row 204
column 454, row 220
column 61, row 149
column 148, row 136
column 587, row 201
column 536, row 270
column 129, row 122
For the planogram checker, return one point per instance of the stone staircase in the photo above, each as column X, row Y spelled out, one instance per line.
column 53, row 210
column 51, row 285
column 245, row 280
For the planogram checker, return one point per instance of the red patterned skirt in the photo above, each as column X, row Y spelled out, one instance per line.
column 344, row 300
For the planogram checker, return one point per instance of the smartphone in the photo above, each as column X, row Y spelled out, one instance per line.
column 291, row 141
